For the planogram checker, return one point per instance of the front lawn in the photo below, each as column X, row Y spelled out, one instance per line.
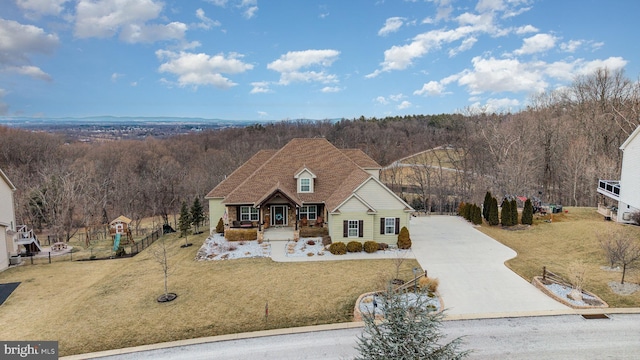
column 106, row 304
column 568, row 238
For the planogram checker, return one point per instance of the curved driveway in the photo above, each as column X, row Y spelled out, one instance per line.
column 471, row 270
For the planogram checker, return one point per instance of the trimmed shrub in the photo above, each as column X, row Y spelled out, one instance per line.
column 514, row 212
column 493, row 213
column 404, row 240
column 338, row 248
column 527, row 213
column 354, row 246
column 430, row 284
column 313, row 231
column 461, row 208
column 505, row 213
column 370, row 246
column 241, row 234
column 220, row 226
column 383, row 246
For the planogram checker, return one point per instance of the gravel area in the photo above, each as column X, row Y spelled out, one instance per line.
column 562, row 292
column 623, row 289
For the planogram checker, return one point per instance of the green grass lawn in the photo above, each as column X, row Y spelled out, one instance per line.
column 559, row 244
column 106, row 304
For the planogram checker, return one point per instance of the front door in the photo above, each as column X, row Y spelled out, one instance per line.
column 279, row 215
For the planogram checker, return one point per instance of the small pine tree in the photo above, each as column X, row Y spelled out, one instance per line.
column 404, row 240
column 220, row 226
column 527, row 213
column 493, row 213
column 467, row 211
column 408, row 330
column 505, row 213
column 461, row 208
column 486, row 205
column 184, row 223
column 477, row 215
column 197, row 214
column 514, row 212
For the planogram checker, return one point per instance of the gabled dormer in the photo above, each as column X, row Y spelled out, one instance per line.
column 305, row 179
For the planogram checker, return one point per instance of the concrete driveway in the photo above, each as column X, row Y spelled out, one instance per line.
column 471, row 270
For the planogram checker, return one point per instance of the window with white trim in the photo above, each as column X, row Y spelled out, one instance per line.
column 308, row 212
column 389, row 226
column 353, row 229
column 305, row 185
column 248, row 213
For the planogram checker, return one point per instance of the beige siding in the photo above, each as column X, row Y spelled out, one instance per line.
column 7, row 216
column 379, row 197
column 216, row 211
column 336, row 226
column 390, row 239
column 353, row 205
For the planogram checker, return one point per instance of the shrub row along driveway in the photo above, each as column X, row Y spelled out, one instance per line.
column 471, row 270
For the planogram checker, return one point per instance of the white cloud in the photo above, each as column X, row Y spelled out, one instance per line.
column 403, row 105
column 498, row 75
column 115, row 76
column 201, row 69
column 133, row 83
column 205, row 22
column 526, row 29
column 612, row 63
column 290, row 64
column 571, row 45
column 432, row 88
column 263, row 114
column 464, row 46
column 260, row 87
column 37, row 8
column 392, row 24
column 221, row 3
column 396, row 97
column 18, row 42
column 537, row 43
column 331, row 89
column 249, row 8
column 496, row 106
column 128, row 18
column 381, row 100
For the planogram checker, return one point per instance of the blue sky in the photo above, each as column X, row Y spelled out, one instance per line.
column 280, row 59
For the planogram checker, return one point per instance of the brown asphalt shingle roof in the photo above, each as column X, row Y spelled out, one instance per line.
column 338, row 172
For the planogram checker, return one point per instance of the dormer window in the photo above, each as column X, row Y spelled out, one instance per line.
column 305, row 185
column 305, row 180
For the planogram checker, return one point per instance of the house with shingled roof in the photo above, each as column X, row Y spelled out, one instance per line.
column 309, row 180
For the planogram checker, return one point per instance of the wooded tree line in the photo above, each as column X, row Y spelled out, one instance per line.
column 558, row 146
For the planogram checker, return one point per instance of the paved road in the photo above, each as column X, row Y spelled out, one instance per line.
column 547, row 337
column 471, row 270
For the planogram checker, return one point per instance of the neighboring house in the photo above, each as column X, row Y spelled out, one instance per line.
column 624, row 192
column 8, row 246
column 310, row 181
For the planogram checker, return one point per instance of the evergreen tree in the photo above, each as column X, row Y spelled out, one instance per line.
column 493, row 212
column 477, row 215
column 505, row 213
column 527, row 213
column 486, row 205
column 220, row 226
column 408, row 330
column 197, row 214
column 404, row 240
column 514, row 212
column 184, row 223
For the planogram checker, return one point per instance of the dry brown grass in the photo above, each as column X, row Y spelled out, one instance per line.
column 570, row 237
column 105, row 304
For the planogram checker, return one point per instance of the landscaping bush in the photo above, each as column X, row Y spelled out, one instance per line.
column 493, row 212
column 370, row 246
column 338, row 248
column 354, row 246
column 241, row 234
column 505, row 213
column 220, row 226
column 404, row 241
column 429, row 284
column 383, row 246
column 313, row 231
column 527, row 213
